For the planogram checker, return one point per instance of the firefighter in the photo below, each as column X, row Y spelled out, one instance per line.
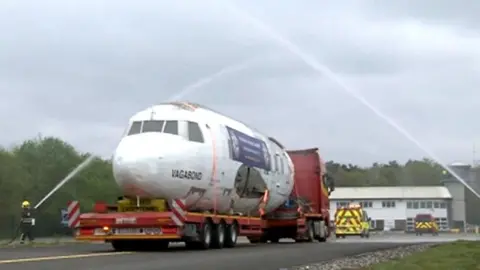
column 26, row 223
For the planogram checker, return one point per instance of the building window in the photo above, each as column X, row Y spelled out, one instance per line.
column 429, row 204
column 409, row 205
column 342, row 204
column 443, row 205
column 415, row 205
column 436, row 205
column 388, row 204
column 366, row 204
column 423, row 205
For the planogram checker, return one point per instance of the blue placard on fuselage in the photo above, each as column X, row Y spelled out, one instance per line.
column 248, row 150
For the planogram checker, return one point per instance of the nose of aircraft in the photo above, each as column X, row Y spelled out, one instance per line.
column 141, row 158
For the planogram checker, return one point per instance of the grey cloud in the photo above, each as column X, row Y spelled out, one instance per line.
column 464, row 12
column 80, row 69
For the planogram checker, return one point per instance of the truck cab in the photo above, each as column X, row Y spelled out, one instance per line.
column 352, row 220
column 425, row 223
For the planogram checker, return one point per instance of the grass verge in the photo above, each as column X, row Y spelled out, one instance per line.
column 51, row 241
column 459, row 255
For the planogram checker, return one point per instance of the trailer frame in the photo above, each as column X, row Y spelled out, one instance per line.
column 155, row 226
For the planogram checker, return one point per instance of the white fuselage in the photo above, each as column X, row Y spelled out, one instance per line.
column 184, row 151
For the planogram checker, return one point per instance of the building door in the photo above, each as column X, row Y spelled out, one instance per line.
column 400, row 225
column 410, row 226
column 378, row 224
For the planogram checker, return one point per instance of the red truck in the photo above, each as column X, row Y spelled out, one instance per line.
column 304, row 217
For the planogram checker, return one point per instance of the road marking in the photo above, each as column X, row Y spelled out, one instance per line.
column 52, row 258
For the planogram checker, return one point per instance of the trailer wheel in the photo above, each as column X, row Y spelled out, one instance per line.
column 310, row 233
column 323, row 234
column 219, row 235
column 231, row 235
column 206, row 235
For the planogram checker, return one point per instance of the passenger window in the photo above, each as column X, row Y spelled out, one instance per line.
column 171, row 127
column 152, row 126
column 135, row 128
column 194, row 132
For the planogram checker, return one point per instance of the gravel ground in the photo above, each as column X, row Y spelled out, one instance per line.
column 367, row 259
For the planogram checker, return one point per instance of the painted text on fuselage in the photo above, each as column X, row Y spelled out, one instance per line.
column 186, row 174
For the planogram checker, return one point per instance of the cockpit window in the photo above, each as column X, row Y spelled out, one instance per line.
column 171, row 127
column 135, row 128
column 194, row 132
column 152, row 126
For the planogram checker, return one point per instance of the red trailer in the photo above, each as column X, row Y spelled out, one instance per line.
column 136, row 224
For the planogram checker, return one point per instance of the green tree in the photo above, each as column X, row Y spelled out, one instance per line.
column 33, row 168
column 30, row 170
column 413, row 173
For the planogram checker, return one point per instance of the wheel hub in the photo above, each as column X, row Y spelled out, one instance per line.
column 221, row 233
column 234, row 233
column 207, row 234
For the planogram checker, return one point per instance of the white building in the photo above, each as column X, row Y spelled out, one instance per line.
column 393, row 208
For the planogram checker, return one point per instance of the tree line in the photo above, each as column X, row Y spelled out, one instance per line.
column 31, row 169
column 424, row 172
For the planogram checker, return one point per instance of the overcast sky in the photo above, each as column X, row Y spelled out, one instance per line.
column 80, row 69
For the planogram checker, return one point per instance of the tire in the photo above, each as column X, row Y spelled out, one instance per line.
column 231, row 235
column 218, row 239
column 206, row 235
column 324, row 238
column 310, row 233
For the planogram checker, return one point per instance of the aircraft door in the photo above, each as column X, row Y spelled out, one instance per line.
column 283, row 174
column 220, row 151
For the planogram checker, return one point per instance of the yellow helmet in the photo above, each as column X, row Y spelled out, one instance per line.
column 25, row 204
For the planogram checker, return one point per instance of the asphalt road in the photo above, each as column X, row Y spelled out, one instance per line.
column 244, row 256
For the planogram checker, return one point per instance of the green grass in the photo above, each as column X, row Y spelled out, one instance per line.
column 49, row 241
column 459, row 255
